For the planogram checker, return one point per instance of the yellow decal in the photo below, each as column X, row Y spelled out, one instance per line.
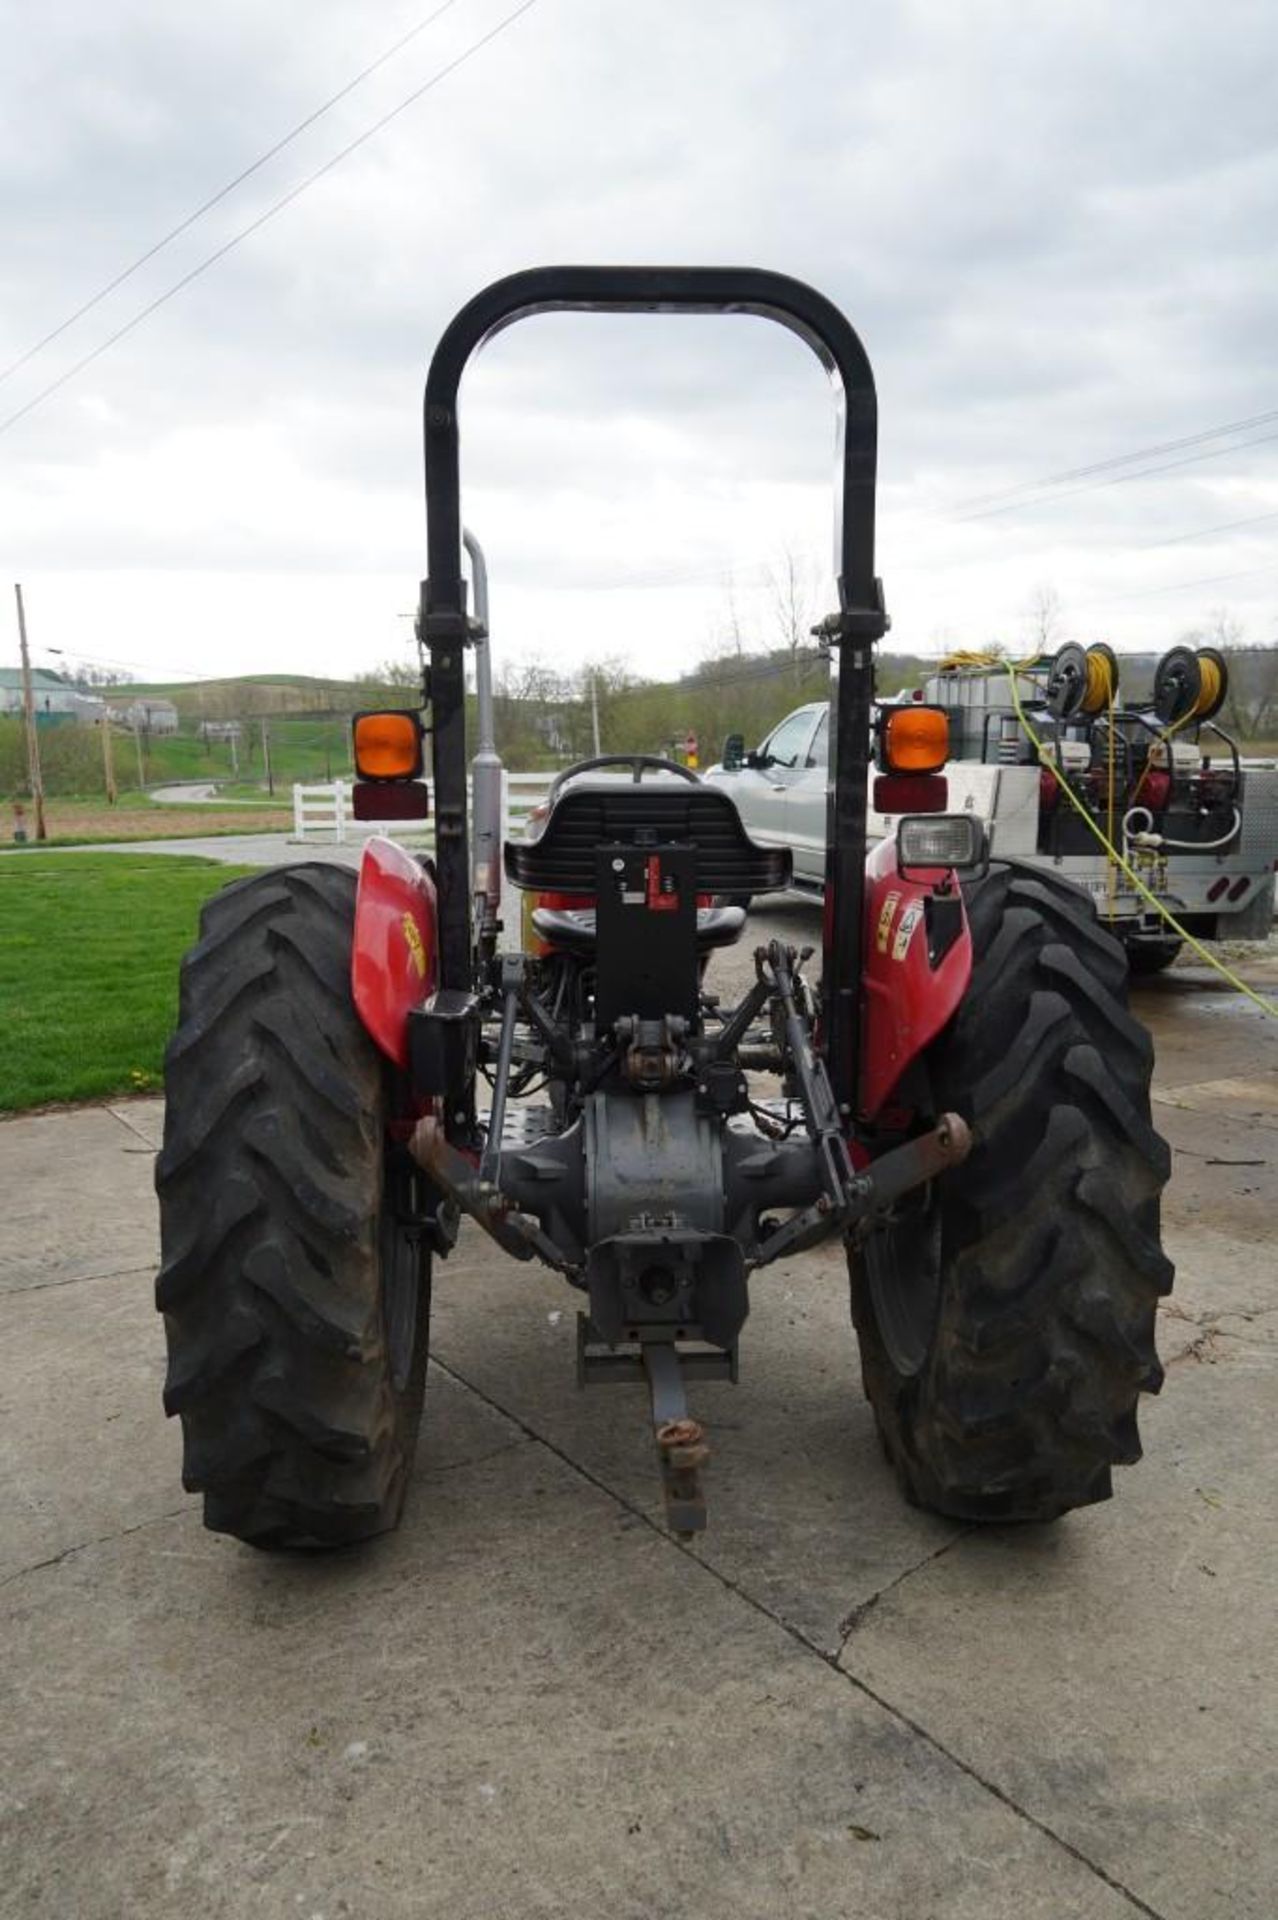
column 905, row 929
column 890, row 906
column 413, row 940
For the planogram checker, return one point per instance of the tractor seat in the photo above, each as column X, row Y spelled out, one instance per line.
column 572, row 930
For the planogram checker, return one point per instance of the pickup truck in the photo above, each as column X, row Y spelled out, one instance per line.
column 779, row 788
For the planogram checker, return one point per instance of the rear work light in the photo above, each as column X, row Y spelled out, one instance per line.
column 913, row 739
column 388, row 745
column 941, row 840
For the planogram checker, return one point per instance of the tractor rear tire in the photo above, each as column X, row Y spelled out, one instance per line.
column 294, row 1288
column 1006, row 1318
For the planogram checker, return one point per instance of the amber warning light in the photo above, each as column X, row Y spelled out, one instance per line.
column 388, row 746
column 913, row 739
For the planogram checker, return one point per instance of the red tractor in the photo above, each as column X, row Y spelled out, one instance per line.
column 962, row 1097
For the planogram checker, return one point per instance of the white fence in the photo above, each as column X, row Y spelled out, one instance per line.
column 323, row 812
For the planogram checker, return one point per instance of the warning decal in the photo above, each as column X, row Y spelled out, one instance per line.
column 905, row 929
column 890, row 905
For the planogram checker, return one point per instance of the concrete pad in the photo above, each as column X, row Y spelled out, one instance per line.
column 1224, row 1173
column 805, row 1515
column 525, row 1704
column 79, row 1198
column 1253, row 1100
column 85, row 1450
column 530, row 1701
column 1203, row 1029
column 1115, row 1674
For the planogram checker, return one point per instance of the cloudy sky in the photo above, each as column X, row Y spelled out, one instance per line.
column 1054, row 227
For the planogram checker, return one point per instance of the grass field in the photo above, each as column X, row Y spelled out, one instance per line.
column 89, row 951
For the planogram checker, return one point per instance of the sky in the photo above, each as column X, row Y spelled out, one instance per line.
column 1053, row 228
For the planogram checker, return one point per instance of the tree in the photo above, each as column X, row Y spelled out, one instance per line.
column 85, row 675
column 1044, row 619
column 730, row 635
column 1250, row 707
column 792, row 594
column 391, row 673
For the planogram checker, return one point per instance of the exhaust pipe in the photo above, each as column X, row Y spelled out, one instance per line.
column 486, row 770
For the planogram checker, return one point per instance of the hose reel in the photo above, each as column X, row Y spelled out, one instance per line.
column 1190, row 685
column 1081, row 683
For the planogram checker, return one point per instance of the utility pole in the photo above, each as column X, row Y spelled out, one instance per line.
column 594, row 710
column 266, row 757
column 235, row 757
column 108, row 759
column 28, row 708
column 137, row 741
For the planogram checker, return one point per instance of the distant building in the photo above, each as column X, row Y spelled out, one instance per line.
column 53, row 698
column 147, row 715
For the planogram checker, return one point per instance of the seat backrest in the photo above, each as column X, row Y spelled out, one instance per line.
column 643, row 814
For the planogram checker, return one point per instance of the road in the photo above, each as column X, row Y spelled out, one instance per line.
column 531, row 1701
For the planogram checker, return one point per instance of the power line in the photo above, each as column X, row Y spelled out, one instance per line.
column 206, row 206
column 1182, row 586
column 1115, row 479
column 279, row 205
column 1202, row 533
column 1118, row 460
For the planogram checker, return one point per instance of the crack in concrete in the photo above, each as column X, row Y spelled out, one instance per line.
column 100, row 1540
column 474, row 1459
column 860, row 1613
column 1205, row 1349
column 136, row 1131
column 76, row 1280
column 801, row 1639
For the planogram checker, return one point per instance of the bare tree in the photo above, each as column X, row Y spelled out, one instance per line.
column 1250, row 707
column 732, row 633
column 1044, row 616
column 792, row 593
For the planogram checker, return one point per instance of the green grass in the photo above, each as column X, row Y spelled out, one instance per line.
column 302, row 748
column 89, row 952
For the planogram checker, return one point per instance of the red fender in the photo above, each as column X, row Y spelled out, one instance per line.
column 394, row 959
column 906, row 1000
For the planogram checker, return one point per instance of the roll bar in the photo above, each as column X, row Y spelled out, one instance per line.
column 860, row 617
column 772, row 296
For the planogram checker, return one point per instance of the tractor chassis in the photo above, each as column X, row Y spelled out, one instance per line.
column 667, row 1285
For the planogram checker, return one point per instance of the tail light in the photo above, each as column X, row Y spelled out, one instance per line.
column 911, row 793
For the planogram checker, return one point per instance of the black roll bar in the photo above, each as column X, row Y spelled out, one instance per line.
column 858, row 623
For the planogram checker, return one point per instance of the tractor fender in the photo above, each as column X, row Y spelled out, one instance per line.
column 394, row 956
column 908, row 996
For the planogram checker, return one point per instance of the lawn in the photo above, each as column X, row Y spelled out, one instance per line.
column 89, row 951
